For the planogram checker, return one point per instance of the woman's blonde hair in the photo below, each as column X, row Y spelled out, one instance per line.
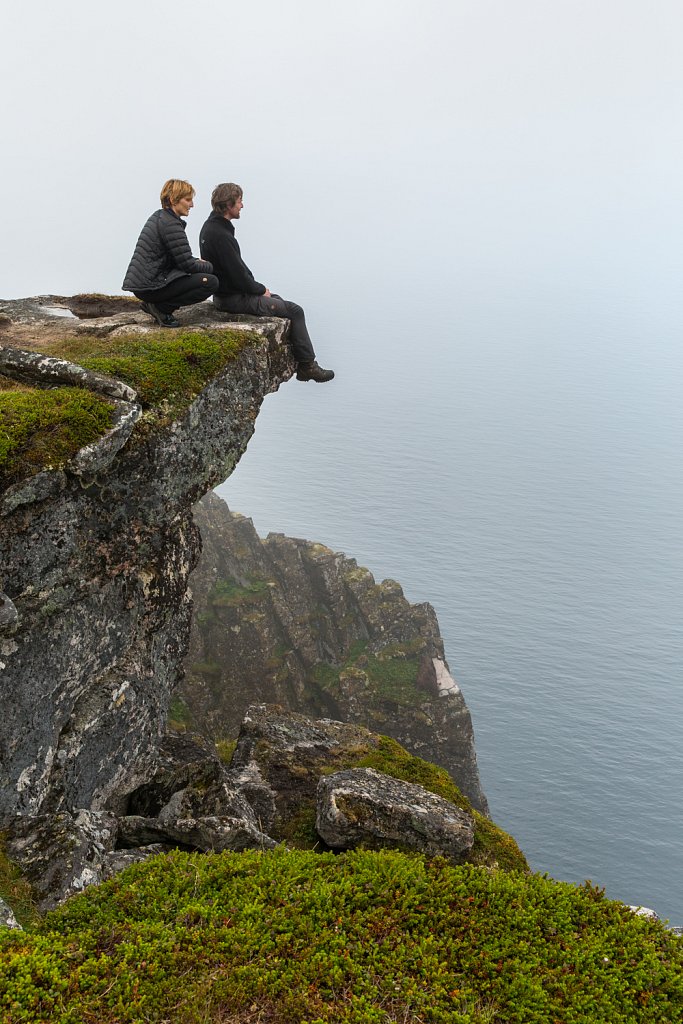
column 173, row 190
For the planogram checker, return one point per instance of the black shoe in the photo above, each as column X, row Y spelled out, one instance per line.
column 164, row 319
column 311, row 371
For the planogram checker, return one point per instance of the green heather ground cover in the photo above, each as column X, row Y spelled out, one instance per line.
column 491, row 844
column 363, row 938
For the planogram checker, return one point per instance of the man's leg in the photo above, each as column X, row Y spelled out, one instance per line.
column 273, row 305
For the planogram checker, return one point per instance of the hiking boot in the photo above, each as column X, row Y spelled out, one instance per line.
column 164, row 319
column 311, row 371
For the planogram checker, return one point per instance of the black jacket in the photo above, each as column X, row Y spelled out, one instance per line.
column 162, row 254
column 217, row 243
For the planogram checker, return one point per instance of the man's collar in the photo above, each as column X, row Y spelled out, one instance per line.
column 215, row 215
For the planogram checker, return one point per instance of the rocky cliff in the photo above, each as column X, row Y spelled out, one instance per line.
column 96, row 545
column 111, row 431
column 293, row 622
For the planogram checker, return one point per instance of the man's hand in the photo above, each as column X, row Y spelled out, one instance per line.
column 266, row 294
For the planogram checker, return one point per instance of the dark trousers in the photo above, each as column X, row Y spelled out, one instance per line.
column 183, row 291
column 259, row 305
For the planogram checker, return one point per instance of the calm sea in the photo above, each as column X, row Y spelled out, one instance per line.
column 512, row 453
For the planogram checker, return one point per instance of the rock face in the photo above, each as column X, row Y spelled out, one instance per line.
column 291, row 622
column 94, row 566
column 62, row 854
column 362, row 806
column 189, row 801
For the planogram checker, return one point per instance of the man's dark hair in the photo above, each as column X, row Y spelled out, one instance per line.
column 225, row 195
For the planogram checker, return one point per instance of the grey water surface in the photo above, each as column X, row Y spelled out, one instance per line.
column 515, row 460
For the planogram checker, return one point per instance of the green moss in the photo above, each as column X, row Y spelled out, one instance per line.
column 16, row 891
column 297, row 937
column 179, row 715
column 162, row 366
column 228, row 592
column 225, row 749
column 393, row 678
column 42, row 429
column 390, row 674
column 277, row 661
column 492, row 846
column 207, row 668
column 406, row 650
column 299, row 830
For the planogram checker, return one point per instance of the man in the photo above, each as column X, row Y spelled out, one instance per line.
column 238, row 292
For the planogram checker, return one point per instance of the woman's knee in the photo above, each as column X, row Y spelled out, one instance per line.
column 209, row 282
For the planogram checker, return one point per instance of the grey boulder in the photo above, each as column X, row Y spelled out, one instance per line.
column 212, row 833
column 361, row 806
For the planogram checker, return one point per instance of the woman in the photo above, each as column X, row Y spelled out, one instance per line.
column 163, row 272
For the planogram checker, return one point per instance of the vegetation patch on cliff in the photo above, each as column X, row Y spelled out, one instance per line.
column 229, row 593
column 161, row 366
column 360, row 938
column 45, row 428
column 390, row 674
column 16, row 891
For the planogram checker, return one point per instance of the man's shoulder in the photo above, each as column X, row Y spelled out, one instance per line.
column 217, row 228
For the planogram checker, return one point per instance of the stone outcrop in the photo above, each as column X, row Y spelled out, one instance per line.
column 62, row 854
column 360, row 806
column 95, row 559
column 280, row 757
column 290, row 779
column 292, row 622
column 279, row 762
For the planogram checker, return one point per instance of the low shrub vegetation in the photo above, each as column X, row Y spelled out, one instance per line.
column 492, row 845
column 361, row 938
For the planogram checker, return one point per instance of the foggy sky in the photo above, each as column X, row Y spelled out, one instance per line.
column 499, row 130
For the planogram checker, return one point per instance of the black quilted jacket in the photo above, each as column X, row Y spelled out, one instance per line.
column 162, row 254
